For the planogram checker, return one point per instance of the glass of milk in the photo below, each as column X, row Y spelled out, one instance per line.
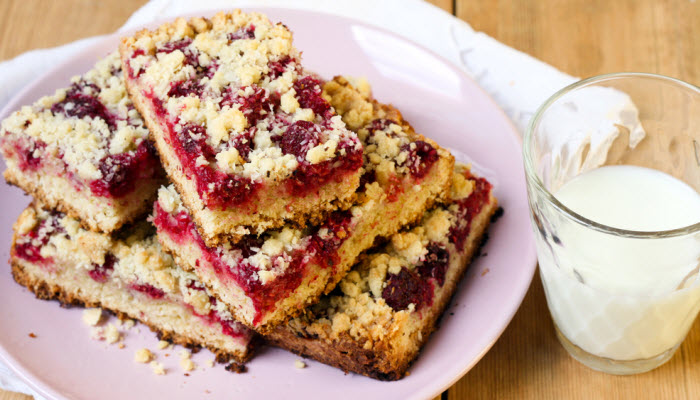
column 613, row 175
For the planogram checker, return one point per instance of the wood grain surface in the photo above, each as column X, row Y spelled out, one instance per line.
column 580, row 37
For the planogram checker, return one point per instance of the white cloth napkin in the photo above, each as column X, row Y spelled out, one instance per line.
column 517, row 82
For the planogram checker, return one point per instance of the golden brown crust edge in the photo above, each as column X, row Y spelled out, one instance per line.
column 45, row 291
column 89, row 223
column 349, row 356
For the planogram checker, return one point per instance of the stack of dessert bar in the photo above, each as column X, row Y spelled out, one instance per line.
column 298, row 208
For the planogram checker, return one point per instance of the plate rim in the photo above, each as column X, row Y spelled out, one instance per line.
column 41, row 387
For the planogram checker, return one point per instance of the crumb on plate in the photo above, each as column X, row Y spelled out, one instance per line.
column 92, row 316
column 143, row 356
column 158, row 368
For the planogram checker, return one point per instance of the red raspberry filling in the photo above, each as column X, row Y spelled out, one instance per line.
column 121, row 172
column 228, row 327
column 27, row 151
column 81, row 102
column 246, row 32
column 468, row 209
column 254, row 106
column 421, row 156
column 191, row 56
column 37, row 238
column 149, row 290
column 29, row 252
column 99, row 273
column 299, row 138
column 176, row 226
column 279, row 67
column 185, row 88
column 406, row 288
column 308, row 90
column 322, row 250
column 435, row 264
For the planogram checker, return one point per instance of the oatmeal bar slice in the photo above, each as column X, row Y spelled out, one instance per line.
column 85, row 151
column 242, row 130
column 267, row 279
column 385, row 309
column 127, row 274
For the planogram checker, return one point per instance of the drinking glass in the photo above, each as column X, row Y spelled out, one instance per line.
column 622, row 301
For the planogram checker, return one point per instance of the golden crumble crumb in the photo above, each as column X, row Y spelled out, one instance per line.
column 92, row 316
column 298, row 364
column 157, row 368
column 112, row 334
column 122, row 345
column 143, row 356
column 163, row 344
column 187, row 365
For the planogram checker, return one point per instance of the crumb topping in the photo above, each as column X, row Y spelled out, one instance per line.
column 89, row 130
column 234, row 88
column 391, row 147
column 389, row 285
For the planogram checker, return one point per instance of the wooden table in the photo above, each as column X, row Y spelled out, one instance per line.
column 580, row 37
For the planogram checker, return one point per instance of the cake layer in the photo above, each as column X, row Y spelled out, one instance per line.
column 269, row 278
column 84, row 150
column 127, row 274
column 242, row 130
column 382, row 313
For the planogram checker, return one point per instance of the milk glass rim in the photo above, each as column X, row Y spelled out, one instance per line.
column 534, row 181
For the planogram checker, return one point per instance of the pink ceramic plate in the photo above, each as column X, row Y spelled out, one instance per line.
column 442, row 103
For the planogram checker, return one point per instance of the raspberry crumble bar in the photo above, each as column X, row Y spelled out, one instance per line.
column 242, row 130
column 382, row 313
column 267, row 279
column 85, row 151
column 126, row 273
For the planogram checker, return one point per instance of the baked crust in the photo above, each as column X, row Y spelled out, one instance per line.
column 384, row 347
column 84, row 150
column 126, row 273
column 92, row 212
column 396, row 196
column 273, row 205
column 46, row 291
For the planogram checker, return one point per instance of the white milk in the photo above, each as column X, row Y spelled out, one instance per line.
column 616, row 297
